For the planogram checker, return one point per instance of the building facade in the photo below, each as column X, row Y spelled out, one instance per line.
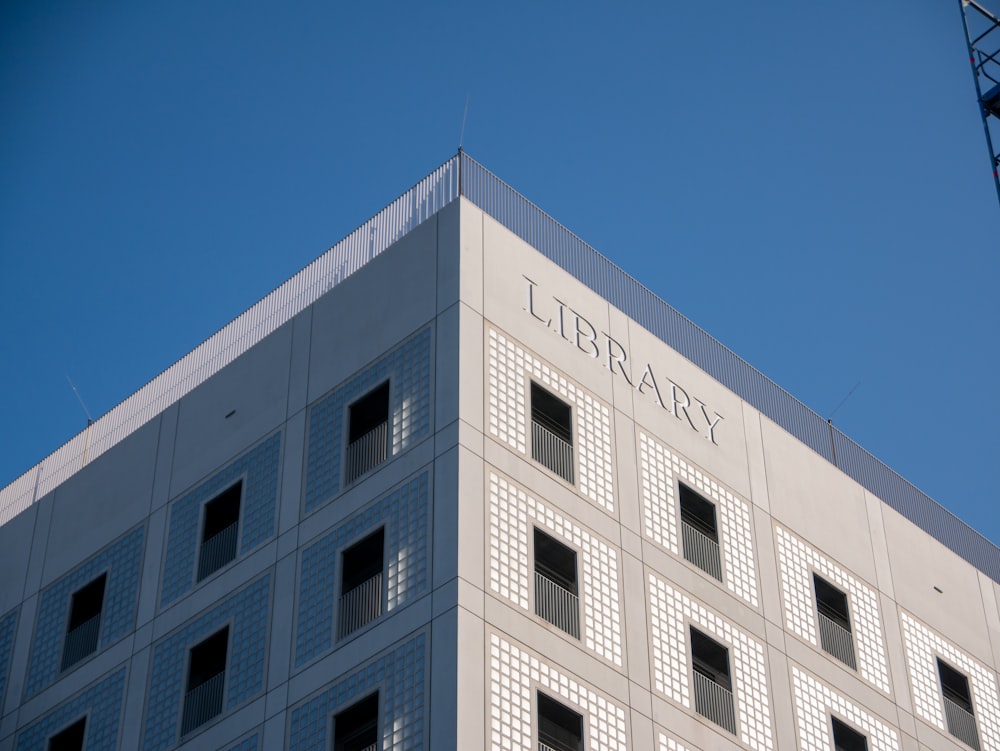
column 519, row 503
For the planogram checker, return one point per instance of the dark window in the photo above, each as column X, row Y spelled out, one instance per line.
column 70, row 738
column 713, row 689
column 368, row 432
column 958, row 704
column 699, row 531
column 559, row 727
column 556, row 589
column 361, row 582
column 846, row 738
column 551, row 432
column 218, row 536
column 356, row 728
column 84, row 622
column 834, row 622
column 206, row 680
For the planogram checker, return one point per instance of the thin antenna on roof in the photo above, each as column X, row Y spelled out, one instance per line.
column 465, row 116
column 86, row 411
column 842, row 402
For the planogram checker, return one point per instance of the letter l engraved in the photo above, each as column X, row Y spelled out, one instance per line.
column 531, row 303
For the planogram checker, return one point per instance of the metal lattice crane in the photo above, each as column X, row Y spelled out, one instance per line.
column 982, row 33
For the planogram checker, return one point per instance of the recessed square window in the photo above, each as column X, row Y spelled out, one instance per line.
column 834, row 622
column 356, row 728
column 367, row 432
column 84, row 624
column 70, row 738
column 958, row 710
column 556, row 585
column 700, row 531
column 206, row 680
column 559, row 727
column 713, row 687
column 551, row 432
column 846, row 738
column 219, row 531
column 362, row 582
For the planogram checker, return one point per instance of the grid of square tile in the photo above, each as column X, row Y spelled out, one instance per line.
column 797, row 562
column 408, row 369
column 670, row 611
column 515, row 673
column 922, row 647
column 813, row 704
column 122, row 560
column 508, row 363
column 661, row 469
column 7, row 630
column 666, row 743
column 398, row 676
column 511, row 513
column 405, row 515
column 101, row 702
column 247, row 744
column 247, row 614
column 260, row 468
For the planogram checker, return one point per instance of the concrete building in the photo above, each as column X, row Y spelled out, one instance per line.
column 518, row 504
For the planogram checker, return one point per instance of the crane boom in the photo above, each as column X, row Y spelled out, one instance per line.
column 982, row 35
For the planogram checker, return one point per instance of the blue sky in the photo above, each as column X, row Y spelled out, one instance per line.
column 808, row 182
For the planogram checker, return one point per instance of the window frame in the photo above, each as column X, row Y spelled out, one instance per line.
column 240, row 481
column 573, row 442
column 342, row 551
column 84, row 718
column 104, row 573
column 563, row 703
column 229, row 627
column 577, row 566
column 816, row 578
column 346, row 708
column 345, row 460
column 681, row 486
column 836, row 720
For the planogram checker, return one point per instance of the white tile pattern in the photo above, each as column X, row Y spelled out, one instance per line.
column 813, row 704
column 797, row 562
column 515, row 674
column 923, row 646
column 670, row 613
column 661, row 470
column 666, row 743
column 508, row 404
column 512, row 514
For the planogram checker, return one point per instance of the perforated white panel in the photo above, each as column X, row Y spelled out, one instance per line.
column 666, row 743
column 797, row 562
column 670, row 612
column 509, row 364
column 512, row 514
column 923, row 647
column 661, row 469
column 515, row 673
column 814, row 703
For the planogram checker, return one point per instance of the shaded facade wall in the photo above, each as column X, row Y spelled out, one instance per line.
column 274, row 423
